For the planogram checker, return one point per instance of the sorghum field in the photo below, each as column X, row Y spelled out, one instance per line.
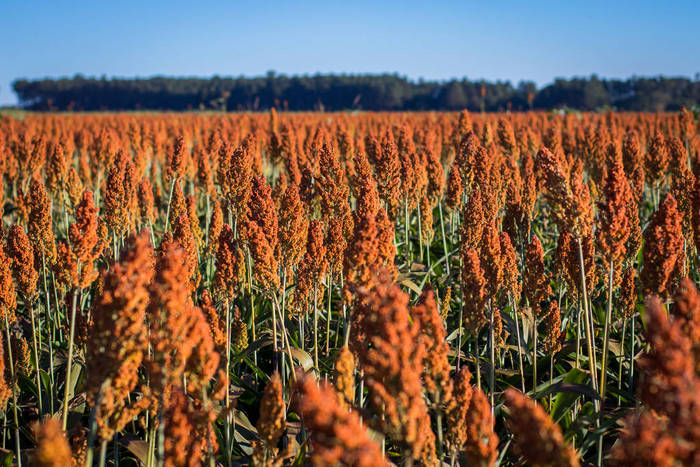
column 350, row 289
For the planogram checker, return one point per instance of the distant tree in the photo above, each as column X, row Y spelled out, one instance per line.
column 454, row 97
column 341, row 92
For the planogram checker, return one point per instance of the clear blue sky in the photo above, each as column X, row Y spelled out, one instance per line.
column 535, row 41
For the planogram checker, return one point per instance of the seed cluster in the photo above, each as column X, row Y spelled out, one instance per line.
column 350, row 289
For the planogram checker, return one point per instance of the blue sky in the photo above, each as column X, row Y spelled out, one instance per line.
column 535, row 41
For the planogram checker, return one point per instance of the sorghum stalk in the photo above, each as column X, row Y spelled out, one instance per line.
column 578, row 333
column 274, row 338
column 103, row 453
column 316, row 326
column 14, row 390
column 588, row 318
column 228, row 392
column 407, row 246
column 98, row 185
column 346, row 320
column 92, row 433
column 420, row 235
column 459, row 337
column 302, row 339
column 328, row 318
column 477, row 356
column 55, row 297
column 492, row 370
column 284, row 295
column 50, row 320
column 36, row 358
column 520, row 348
column 207, row 220
column 631, row 376
column 621, row 360
column 551, row 375
column 276, row 361
column 170, row 199
column 427, row 256
column 534, row 354
column 285, row 337
column 69, row 363
column 210, row 450
column 606, row 332
column 444, row 240
column 252, row 304
column 151, row 446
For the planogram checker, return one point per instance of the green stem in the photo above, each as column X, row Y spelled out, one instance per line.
column 69, row 363
column 439, row 433
column 282, row 302
column 632, row 344
column 520, row 347
column 285, row 338
column 210, row 450
column 302, row 338
column 98, row 187
column 444, row 239
column 329, row 312
column 36, row 359
column 103, row 453
column 227, row 441
column 407, row 246
column 92, row 433
column 588, row 318
column 346, row 315
column 13, row 376
column 50, row 320
column 170, row 199
column 207, row 221
column 151, row 446
column 551, row 376
column 420, row 234
column 621, row 361
column 606, row 336
column 534, row 354
column 459, row 337
column 274, row 339
column 578, row 334
column 252, row 304
column 316, row 327
column 115, row 450
column 476, row 360
column 492, row 370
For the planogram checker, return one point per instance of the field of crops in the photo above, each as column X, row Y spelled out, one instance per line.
column 350, row 289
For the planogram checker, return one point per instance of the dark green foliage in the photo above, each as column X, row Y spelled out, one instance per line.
column 343, row 92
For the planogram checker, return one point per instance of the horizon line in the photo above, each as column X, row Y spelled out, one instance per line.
column 406, row 77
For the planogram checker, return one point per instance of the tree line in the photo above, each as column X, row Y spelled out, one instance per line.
column 358, row 92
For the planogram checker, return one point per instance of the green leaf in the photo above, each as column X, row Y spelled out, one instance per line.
column 27, row 384
column 252, row 347
column 503, row 452
column 76, row 375
column 261, row 374
column 299, row 460
column 565, row 400
column 7, row 458
column 45, row 383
